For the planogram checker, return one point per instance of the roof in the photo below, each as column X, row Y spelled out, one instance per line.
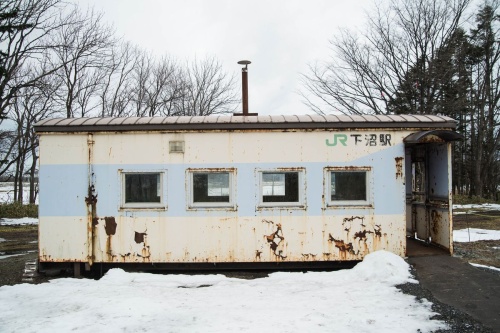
column 220, row 122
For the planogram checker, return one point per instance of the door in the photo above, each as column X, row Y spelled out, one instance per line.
column 429, row 187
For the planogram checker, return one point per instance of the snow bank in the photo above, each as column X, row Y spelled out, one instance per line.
column 363, row 299
column 473, row 235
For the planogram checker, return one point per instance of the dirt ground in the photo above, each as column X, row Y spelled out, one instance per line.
column 21, row 241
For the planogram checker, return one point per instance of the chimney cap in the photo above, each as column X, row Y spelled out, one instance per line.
column 244, row 62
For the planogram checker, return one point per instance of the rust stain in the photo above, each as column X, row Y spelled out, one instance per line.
column 145, row 252
column 110, row 225
column 211, row 169
column 91, row 199
column 139, row 237
column 399, row 167
column 257, row 254
column 431, row 139
column 91, row 202
column 275, row 240
column 362, row 234
column 347, row 222
column 378, row 230
column 436, row 221
column 267, row 221
column 341, row 245
column 307, row 255
column 291, row 169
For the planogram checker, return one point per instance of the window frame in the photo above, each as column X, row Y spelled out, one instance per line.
column 368, row 203
column 300, row 204
column 162, row 205
column 191, row 205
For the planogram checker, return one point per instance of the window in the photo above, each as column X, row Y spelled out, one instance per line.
column 142, row 190
column 211, row 188
column 282, row 188
column 347, row 187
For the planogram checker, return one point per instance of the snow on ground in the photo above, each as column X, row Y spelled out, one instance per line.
column 472, row 235
column 24, row 221
column 475, row 207
column 362, row 299
column 484, row 266
column 5, row 256
column 7, row 192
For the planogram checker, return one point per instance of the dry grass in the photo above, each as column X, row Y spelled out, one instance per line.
column 477, row 219
column 18, row 238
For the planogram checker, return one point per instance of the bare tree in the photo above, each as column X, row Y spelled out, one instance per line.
column 164, row 87
column 31, row 104
column 209, row 89
column 83, row 51
column 24, row 27
column 368, row 69
column 115, row 98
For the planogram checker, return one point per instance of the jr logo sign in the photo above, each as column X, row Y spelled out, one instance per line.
column 383, row 139
column 337, row 138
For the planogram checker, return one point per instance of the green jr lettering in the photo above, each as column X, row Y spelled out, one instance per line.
column 342, row 138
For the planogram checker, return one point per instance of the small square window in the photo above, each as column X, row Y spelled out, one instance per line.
column 211, row 188
column 347, row 187
column 281, row 188
column 142, row 190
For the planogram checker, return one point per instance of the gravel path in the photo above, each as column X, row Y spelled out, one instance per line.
column 457, row 321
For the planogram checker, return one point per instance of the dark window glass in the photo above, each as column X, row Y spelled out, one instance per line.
column 211, row 187
column 347, row 185
column 280, row 187
column 142, row 187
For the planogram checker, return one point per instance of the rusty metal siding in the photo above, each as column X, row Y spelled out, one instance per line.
column 94, row 227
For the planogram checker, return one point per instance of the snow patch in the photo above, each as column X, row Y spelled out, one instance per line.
column 484, row 266
column 5, row 256
column 21, row 221
column 363, row 299
column 473, row 235
column 477, row 207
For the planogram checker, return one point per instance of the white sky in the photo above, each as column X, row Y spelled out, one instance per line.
column 362, row 299
column 280, row 37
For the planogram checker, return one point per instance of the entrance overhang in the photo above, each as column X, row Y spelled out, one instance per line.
column 433, row 136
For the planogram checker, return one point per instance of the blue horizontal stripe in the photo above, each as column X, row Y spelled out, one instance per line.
column 63, row 188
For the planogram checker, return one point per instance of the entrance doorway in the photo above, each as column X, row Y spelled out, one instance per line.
column 429, row 188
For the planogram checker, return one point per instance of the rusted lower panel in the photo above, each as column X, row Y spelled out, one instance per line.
column 251, row 239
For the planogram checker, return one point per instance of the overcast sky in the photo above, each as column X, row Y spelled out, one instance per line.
column 279, row 37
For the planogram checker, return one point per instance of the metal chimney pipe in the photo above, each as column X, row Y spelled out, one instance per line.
column 244, row 86
column 244, row 89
